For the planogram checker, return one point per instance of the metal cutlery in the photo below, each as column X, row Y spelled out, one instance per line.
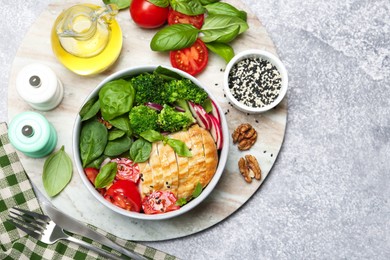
column 41, row 227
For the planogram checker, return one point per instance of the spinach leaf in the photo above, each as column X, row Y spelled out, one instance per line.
column 57, row 172
column 116, row 98
column 91, row 112
column 179, row 147
column 97, row 162
column 167, row 73
column 152, row 136
column 174, row 37
column 93, row 140
column 122, row 123
column 140, row 150
column 117, row 146
column 225, row 9
column 122, row 4
column 182, row 201
column 115, row 134
column 224, row 50
column 222, row 28
column 160, row 3
column 188, row 7
column 106, row 175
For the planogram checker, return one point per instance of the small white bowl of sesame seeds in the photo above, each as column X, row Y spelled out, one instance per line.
column 255, row 81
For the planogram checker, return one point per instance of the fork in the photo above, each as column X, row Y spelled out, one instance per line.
column 42, row 228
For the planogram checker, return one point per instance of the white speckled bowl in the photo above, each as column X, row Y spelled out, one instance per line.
column 223, row 153
column 253, row 53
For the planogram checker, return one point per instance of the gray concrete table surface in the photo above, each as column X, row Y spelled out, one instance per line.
column 327, row 196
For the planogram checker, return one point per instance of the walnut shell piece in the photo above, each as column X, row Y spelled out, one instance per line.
column 245, row 135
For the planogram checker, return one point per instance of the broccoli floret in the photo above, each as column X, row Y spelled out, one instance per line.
column 148, row 88
column 143, row 118
column 172, row 120
column 183, row 89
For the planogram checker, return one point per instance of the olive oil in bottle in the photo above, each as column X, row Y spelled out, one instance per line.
column 86, row 38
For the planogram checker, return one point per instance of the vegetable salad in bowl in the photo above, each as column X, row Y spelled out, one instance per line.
column 150, row 142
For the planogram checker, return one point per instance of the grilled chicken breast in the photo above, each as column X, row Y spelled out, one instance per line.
column 165, row 170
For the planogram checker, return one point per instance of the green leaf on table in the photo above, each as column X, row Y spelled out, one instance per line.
column 122, row 4
column 174, row 37
column 223, row 50
column 160, row 3
column 188, row 7
column 222, row 28
column 57, row 172
column 225, row 9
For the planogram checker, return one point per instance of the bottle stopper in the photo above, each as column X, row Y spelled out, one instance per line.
column 38, row 85
column 30, row 133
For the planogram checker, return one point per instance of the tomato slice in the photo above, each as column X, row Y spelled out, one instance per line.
column 159, row 202
column 175, row 17
column 124, row 194
column 192, row 60
column 91, row 174
column 127, row 170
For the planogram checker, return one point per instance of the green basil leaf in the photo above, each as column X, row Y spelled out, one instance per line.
column 115, row 134
column 223, row 50
column 222, row 28
column 117, row 146
column 206, row 2
column 116, row 98
column 152, row 136
column 57, row 172
column 106, row 175
column 94, row 109
column 174, row 37
column 222, row 35
column 179, row 147
column 197, row 191
column 140, row 150
column 93, row 140
column 122, row 123
column 160, row 3
column 188, row 7
column 122, row 4
column 180, row 202
column 225, row 9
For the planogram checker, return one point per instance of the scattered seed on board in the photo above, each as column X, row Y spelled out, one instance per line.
column 255, row 82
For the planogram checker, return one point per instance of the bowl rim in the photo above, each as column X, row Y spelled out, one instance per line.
column 271, row 58
column 135, row 70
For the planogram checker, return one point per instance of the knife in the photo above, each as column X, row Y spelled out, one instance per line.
column 72, row 225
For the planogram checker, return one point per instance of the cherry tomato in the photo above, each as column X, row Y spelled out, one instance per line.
column 192, row 60
column 127, row 170
column 159, row 202
column 91, row 174
column 175, row 17
column 148, row 15
column 124, row 194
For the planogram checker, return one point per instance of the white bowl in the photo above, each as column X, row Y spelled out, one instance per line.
column 251, row 54
column 223, row 153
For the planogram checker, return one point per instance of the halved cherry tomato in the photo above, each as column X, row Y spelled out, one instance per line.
column 147, row 15
column 175, row 17
column 91, row 174
column 124, row 194
column 159, row 202
column 127, row 170
column 192, row 60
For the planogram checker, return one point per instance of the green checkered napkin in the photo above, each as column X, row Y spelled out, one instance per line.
column 16, row 190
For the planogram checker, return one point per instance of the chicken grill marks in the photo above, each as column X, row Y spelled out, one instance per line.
column 165, row 170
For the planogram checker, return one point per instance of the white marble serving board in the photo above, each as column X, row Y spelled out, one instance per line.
column 230, row 193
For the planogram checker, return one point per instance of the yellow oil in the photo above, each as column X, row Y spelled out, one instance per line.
column 99, row 61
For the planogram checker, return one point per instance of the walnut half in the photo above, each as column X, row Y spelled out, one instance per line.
column 249, row 168
column 245, row 135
